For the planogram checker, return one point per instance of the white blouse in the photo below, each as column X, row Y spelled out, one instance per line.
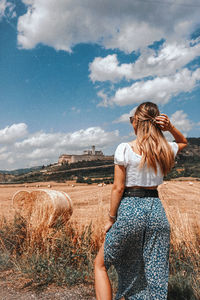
column 125, row 156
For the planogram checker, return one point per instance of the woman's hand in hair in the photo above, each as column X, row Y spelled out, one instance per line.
column 164, row 122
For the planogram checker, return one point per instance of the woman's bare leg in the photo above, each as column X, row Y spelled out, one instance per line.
column 102, row 283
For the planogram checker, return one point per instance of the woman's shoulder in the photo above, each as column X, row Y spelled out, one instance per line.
column 174, row 147
column 120, row 156
column 122, row 146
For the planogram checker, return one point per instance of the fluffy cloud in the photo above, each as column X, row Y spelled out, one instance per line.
column 71, row 141
column 6, row 8
column 19, row 150
column 3, row 6
column 125, row 117
column 12, row 133
column 181, row 121
column 105, row 99
column 170, row 58
column 159, row 90
column 113, row 24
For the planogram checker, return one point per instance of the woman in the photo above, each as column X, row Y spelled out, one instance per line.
column 138, row 232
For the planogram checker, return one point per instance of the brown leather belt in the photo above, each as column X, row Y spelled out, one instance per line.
column 134, row 192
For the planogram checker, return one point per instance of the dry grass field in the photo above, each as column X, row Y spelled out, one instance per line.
column 181, row 200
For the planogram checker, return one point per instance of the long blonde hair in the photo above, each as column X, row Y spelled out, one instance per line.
column 152, row 143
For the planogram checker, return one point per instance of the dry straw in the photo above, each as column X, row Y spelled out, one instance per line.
column 42, row 207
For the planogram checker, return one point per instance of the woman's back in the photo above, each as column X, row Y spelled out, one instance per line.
column 136, row 176
column 137, row 241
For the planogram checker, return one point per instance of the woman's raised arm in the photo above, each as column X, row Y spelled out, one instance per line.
column 164, row 122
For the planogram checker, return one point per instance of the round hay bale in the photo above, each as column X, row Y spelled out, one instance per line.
column 43, row 206
column 50, row 205
column 23, row 203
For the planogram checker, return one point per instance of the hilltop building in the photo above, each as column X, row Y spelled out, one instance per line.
column 88, row 155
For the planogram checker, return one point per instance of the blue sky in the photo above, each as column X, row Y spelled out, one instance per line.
column 72, row 72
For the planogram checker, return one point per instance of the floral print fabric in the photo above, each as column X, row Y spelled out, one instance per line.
column 138, row 246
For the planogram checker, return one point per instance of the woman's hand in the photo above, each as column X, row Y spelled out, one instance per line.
column 164, row 122
column 108, row 225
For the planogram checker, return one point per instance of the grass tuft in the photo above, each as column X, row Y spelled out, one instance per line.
column 64, row 255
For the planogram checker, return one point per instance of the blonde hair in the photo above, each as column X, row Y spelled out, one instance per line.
column 152, row 144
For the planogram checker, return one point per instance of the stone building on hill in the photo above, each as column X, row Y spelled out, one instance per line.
column 88, row 155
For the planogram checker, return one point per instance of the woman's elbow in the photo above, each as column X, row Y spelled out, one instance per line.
column 185, row 142
column 118, row 188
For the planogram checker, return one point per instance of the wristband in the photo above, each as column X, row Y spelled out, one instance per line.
column 112, row 217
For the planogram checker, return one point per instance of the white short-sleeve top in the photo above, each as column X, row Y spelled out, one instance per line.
column 124, row 155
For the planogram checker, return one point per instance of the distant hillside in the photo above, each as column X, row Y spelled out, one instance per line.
column 188, row 161
column 187, row 165
column 60, row 173
column 21, row 171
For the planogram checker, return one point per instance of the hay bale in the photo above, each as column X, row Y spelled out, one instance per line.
column 43, row 207
column 23, row 203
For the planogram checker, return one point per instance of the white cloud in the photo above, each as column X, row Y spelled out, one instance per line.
column 169, row 59
column 107, row 68
column 180, row 120
column 101, row 94
column 158, row 90
column 6, row 8
column 40, row 148
column 72, row 141
column 125, row 117
column 3, row 6
column 11, row 133
column 127, row 25
column 133, row 35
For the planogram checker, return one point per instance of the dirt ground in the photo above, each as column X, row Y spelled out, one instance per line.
column 11, row 288
column 91, row 203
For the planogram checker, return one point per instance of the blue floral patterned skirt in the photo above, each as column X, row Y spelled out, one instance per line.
column 137, row 245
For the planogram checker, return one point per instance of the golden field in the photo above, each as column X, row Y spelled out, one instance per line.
column 181, row 200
